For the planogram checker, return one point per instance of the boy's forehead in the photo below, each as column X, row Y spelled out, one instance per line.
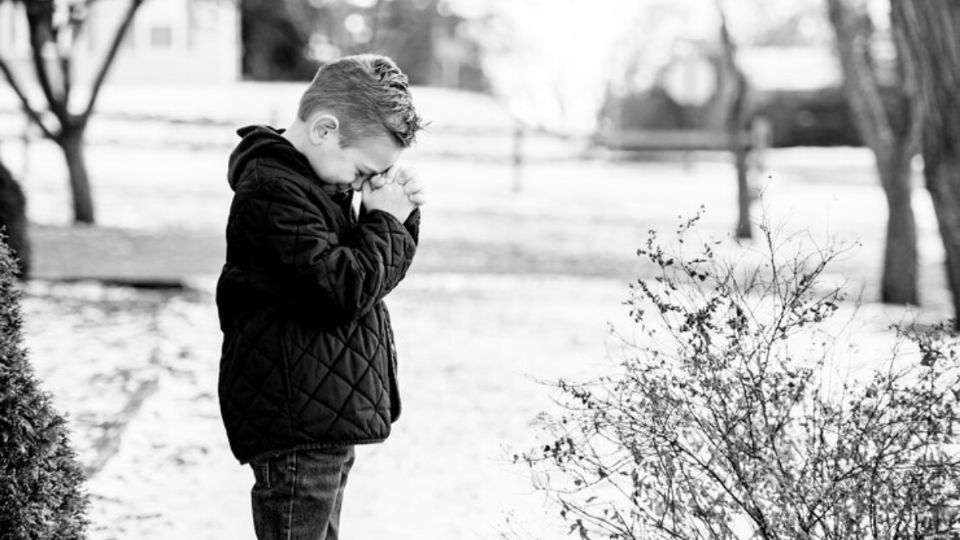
column 377, row 154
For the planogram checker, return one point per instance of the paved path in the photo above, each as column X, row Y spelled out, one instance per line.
column 124, row 255
column 174, row 257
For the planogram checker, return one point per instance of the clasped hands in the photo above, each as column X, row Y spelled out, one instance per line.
column 397, row 191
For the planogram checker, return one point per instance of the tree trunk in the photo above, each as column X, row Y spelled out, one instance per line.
column 928, row 31
column 943, row 182
column 899, row 282
column 744, row 229
column 735, row 122
column 893, row 144
column 13, row 220
column 71, row 141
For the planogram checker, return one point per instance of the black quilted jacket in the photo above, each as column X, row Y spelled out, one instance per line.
column 308, row 356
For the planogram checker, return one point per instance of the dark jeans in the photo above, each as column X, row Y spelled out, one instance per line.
column 297, row 496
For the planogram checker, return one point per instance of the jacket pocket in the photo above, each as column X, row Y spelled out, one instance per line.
column 261, row 474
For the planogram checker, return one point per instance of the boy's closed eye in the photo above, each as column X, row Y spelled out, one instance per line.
column 377, row 179
column 363, row 177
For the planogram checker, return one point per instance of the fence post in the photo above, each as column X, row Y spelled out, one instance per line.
column 760, row 140
column 518, row 135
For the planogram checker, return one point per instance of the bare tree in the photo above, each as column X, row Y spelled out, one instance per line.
column 736, row 122
column 927, row 30
column 60, row 35
column 890, row 128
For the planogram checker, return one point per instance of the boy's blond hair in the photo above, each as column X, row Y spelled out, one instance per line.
column 368, row 94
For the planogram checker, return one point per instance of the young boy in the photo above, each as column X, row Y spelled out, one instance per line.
column 308, row 368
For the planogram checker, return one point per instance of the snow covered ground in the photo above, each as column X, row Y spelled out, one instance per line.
column 472, row 344
column 445, row 472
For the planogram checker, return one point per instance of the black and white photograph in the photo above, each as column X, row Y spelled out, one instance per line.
column 479, row 269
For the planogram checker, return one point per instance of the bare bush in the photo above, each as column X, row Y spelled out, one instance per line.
column 724, row 420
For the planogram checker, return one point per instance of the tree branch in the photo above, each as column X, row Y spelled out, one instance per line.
column 736, row 109
column 929, row 28
column 39, row 17
column 908, row 79
column 63, row 59
column 859, row 82
column 65, row 71
column 78, row 19
column 27, row 109
column 109, row 58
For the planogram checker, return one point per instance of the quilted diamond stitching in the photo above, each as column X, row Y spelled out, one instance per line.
column 384, row 249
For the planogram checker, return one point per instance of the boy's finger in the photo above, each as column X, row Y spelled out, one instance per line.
column 406, row 174
column 412, row 187
column 390, row 175
column 365, row 189
column 419, row 198
column 377, row 181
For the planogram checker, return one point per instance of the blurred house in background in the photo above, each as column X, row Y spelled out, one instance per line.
column 796, row 90
column 170, row 41
column 799, row 91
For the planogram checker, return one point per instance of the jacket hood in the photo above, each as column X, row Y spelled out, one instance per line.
column 259, row 142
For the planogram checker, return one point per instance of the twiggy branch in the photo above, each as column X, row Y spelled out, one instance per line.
column 109, row 58
column 39, row 21
column 66, row 69
column 24, row 101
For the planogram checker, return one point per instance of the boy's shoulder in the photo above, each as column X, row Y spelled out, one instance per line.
column 267, row 173
column 270, row 169
column 269, row 179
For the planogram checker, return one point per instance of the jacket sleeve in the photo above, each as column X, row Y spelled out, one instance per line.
column 412, row 224
column 319, row 272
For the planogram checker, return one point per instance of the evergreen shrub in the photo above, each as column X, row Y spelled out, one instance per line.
column 13, row 221
column 41, row 496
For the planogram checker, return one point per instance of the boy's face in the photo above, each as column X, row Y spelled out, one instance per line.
column 353, row 164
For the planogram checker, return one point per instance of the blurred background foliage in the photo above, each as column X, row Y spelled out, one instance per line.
column 290, row 39
column 645, row 48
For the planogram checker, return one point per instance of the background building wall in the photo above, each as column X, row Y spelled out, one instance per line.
column 170, row 41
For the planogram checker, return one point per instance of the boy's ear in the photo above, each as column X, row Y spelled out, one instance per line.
column 322, row 127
